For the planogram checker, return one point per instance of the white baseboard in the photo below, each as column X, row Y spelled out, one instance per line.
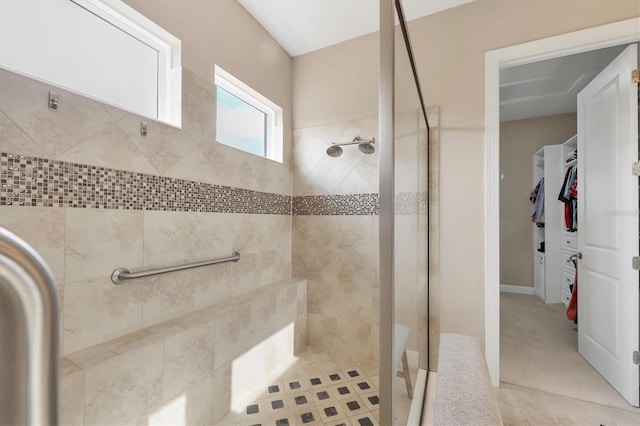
column 505, row 288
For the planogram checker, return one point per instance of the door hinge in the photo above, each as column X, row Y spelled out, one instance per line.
column 635, row 168
column 636, row 357
column 635, row 263
column 635, row 76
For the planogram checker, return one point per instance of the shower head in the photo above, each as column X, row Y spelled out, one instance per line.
column 334, row 151
column 366, row 148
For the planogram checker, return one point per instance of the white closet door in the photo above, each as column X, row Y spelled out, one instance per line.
column 608, row 224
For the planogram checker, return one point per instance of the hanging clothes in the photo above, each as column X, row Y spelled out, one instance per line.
column 537, row 198
column 572, row 309
column 569, row 196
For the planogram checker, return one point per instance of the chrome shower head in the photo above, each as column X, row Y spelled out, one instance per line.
column 334, row 151
column 366, row 148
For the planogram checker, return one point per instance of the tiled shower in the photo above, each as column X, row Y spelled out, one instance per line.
column 90, row 193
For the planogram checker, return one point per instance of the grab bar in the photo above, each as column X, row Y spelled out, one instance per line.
column 120, row 275
column 29, row 336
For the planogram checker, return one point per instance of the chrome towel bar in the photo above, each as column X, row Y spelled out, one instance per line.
column 120, row 275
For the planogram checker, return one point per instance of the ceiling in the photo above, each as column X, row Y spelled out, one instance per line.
column 550, row 87
column 302, row 26
column 526, row 91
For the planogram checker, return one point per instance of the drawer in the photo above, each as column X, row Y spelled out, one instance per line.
column 566, row 298
column 568, row 277
column 566, row 262
column 569, row 242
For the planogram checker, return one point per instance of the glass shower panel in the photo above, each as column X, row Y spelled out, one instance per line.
column 410, row 233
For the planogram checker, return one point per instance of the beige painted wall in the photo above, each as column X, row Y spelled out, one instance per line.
column 519, row 140
column 221, row 32
column 449, row 51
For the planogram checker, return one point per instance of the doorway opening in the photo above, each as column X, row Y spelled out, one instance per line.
column 624, row 32
column 538, row 241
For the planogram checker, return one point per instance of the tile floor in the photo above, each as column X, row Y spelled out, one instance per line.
column 316, row 389
column 544, row 381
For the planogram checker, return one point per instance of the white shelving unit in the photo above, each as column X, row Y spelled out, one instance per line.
column 569, row 239
column 547, row 164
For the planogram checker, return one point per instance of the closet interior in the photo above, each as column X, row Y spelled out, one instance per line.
column 555, row 225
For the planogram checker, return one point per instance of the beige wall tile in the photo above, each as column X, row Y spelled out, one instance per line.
column 43, row 229
column 193, row 406
column 15, row 141
column 99, row 241
column 322, row 331
column 233, row 328
column 24, row 101
column 188, row 358
column 97, row 310
column 72, row 400
column 173, row 238
column 163, row 145
column 109, row 147
column 122, row 390
column 198, row 107
column 221, row 391
column 198, row 165
column 167, row 296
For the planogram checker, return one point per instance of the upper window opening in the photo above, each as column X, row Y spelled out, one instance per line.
column 101, row 49
column 245, row 119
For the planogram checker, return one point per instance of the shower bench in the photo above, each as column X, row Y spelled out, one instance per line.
column 192, row 367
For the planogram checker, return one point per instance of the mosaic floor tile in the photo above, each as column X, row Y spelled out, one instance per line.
column 371, row 400
column 342, row 391
column 353, row 406
column 353, row 374
column 341, row 396
column 364, row 420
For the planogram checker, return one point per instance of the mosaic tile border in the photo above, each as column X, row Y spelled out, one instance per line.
column 407, row 203
column 38, row 182
column 336, row 205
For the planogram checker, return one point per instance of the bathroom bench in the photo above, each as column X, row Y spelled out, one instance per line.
column 463, row 394
column 194, row 367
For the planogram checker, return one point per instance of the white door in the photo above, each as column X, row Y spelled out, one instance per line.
column 608, row 224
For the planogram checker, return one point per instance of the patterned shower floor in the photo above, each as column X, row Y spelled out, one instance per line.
column 317, row 389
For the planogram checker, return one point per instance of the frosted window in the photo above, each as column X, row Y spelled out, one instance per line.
column 247, row 120
column 240, row 124
column 80, row 46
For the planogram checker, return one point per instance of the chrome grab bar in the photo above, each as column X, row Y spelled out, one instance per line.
column 29, row 336
column 120, row 275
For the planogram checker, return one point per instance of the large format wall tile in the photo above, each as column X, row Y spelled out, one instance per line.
column 163, row 145
column 14, row 140
column 41, row 228
column 72, row 399
column 188, row 357
column 99, row 241
column 109, row 147
column 25, row 101
column 172, row 238
column 124, row 389
column 97, row 310
column 194, row 406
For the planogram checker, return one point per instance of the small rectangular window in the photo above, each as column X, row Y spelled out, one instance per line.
column 245, row 119
column 102, row 49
